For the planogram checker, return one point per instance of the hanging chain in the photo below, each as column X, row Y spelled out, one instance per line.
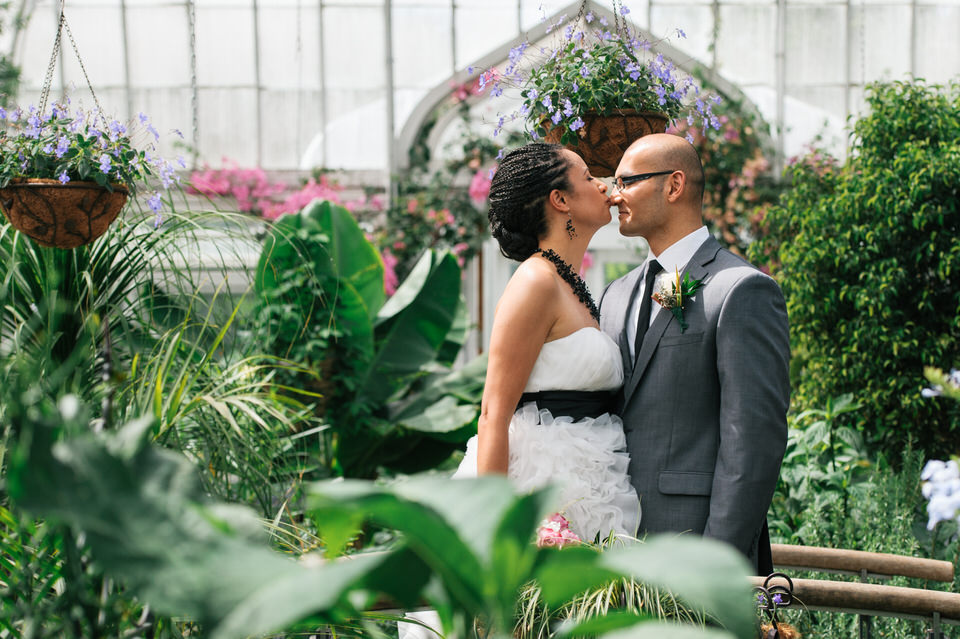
column 194, row 100
column 57, row 47
column 48, row 79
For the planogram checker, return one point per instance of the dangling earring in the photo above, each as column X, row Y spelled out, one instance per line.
column 571, row 232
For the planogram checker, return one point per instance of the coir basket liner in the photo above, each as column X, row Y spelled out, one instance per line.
column 61, row 215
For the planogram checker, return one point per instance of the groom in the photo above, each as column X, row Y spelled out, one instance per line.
column 704, row 406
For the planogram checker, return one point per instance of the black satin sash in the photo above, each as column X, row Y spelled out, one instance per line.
column 576, row 404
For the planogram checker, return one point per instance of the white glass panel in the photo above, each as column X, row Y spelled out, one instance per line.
column 480, row 30
column 816, row 45
column 422, row 46
column 228, row 126
column 225, row 46
column 356, row 133
column 159, row 40
column 533, row 12
column 696, row 21
column 291, row 119
column 938, row 59
column 290, row 47
column 746, row 44
column 880, row 43
column 353, row 48
column 815, row 111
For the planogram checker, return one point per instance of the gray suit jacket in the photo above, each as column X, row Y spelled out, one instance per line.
column 705, row 410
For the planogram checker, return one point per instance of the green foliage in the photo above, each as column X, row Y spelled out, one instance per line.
column 389, row 398
column 868, row 256
column 882, row 514
column 475, row 539
column 824, row 464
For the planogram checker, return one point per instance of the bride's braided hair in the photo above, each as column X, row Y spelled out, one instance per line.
column 518, row 194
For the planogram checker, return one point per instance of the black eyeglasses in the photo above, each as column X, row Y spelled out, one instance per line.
column 623, row 181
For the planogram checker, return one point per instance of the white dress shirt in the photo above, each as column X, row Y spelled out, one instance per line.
column 673, row 259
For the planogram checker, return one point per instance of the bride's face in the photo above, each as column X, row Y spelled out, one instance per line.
column 589, row 204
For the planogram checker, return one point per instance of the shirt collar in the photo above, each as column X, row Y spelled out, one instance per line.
column 675, row 257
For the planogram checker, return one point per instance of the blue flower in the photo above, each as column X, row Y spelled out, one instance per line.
column 689, row 138
column 584, row 71
column 567, row 107
column 589, row 17
column 556, row 117
column 48, row 149
column 681, row 34
column 576, row 124
column 64, row 178
column 574, row 87
column 469, row 70
column 105, row 163
column 546, row 101
column 3, row 113
column 624, row 11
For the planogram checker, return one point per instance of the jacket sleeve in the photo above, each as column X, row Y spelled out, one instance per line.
column 753, row 360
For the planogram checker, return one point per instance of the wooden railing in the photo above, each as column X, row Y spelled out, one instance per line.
column 868, row 599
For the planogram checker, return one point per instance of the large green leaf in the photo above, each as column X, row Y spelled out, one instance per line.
column 353, row 258
column 409, row 336
column 147, row 523
column 705, row 573
column 344, row 261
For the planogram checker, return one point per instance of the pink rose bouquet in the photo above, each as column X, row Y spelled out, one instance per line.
column 555, row 531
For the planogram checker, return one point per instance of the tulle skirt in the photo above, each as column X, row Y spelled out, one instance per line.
column 585, row 459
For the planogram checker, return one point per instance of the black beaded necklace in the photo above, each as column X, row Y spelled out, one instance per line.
column 566, row 272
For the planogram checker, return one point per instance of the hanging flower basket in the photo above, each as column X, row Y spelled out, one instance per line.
column 604, row 138
column 61, row 215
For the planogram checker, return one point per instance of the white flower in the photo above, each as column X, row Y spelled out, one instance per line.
column 941, row 486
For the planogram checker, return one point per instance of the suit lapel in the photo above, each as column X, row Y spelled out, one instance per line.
column 696, row 267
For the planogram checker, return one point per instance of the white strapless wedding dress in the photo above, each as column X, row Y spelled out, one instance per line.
column 586, row 458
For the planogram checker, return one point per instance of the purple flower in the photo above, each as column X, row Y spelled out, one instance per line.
column 689, row 138
column 624, row 11
column 680, row 33
column 567, row 107
column 603, row 21
column 574, row 87
column 64, row 178
column 182, row 162
column 546, row 101
column 153, row 132
column 556, row 117
column 533, row 95
column 155, row 202
column 63, row 145
column 589, row 17
column 48, row 149
column 499, row 157
column 469, row 70
column 576, row 124
column 3, row 113
column 584, row 71
column 568, row 32
column 105, row 163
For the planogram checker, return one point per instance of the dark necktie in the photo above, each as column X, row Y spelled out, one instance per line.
column 643, row 318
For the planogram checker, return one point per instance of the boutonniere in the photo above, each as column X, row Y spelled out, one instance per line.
column 671, row 294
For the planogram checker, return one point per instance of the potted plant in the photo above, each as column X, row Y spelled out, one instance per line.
column 65, row 175
column 599, row 89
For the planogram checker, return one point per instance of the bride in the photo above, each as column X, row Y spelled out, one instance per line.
column 552, row 374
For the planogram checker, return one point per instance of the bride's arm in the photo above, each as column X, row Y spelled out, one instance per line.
column 523, row 319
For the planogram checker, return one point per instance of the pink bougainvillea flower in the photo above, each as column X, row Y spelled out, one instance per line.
column 390, row 280
column 479, row 187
